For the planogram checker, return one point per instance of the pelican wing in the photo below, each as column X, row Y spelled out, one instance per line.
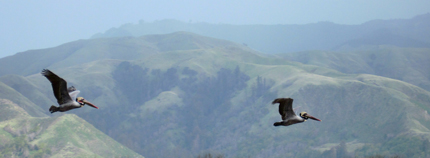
column 285, row 107
column 71, row 89
column 59, row 86
column 74, row 94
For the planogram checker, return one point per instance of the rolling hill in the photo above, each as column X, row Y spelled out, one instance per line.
column 182, row 94
column 406, row 64
column 25, row 131
column 7, row 92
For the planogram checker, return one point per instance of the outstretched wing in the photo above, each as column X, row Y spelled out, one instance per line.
column 59, row 86
column 285, row 107
column 74, row 94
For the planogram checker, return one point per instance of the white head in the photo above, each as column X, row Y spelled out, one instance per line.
column 306, row 116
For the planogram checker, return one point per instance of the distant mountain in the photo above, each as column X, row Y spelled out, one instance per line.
column 84, row 51
column 181, row 94
column 383, row 36
column 412, row 32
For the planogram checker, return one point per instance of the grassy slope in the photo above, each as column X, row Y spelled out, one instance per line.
column 69, row 133
column 10, row 110
column 407, row 64
column 65, row 135
column 9, row 93
column 29, row 90
column 365, row 108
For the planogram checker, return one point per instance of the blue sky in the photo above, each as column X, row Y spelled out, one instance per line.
column 48, row 23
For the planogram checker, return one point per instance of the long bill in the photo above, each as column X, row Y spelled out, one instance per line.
column 313, row 118
column 90, row 104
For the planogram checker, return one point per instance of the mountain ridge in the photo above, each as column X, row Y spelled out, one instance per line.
column 292, row 38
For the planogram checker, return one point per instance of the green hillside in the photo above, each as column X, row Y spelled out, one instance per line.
column 407, row 64
column 64, row 136
column 11, row 94
column 10, row 110
column 25, row 131
column 182, row 94
column 29, row 90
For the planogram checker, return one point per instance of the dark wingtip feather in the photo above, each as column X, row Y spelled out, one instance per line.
column 45, row 72
column 278, row 100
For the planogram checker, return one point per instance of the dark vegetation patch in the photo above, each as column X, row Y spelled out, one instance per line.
column 181, row 130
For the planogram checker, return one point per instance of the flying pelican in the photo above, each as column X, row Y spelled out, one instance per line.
column 287, row 113
column 66, row 97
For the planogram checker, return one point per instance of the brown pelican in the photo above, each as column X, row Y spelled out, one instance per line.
column 66, row 97
column 287, row 113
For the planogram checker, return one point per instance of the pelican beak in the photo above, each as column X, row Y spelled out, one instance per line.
column 90, row 104
column 313, row 118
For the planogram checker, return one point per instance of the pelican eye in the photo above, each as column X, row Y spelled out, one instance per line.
column 80, row 100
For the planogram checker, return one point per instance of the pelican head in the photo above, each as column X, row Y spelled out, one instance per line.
column 306, row 116
column 82, row 102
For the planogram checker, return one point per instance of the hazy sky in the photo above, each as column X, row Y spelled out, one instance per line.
column 36, row 24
